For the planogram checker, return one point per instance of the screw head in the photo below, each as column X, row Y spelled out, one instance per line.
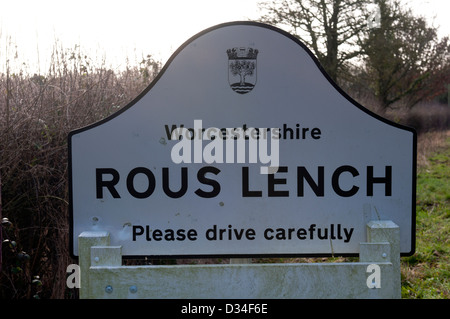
column 133, row 289
column 109, row 289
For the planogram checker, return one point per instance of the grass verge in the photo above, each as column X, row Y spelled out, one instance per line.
column 426, row 274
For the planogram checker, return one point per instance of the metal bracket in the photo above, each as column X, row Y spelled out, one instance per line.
column 103, row 276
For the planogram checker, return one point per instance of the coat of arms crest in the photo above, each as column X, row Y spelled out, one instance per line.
column 242, row 69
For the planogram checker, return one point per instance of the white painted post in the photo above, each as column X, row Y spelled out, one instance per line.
column 387, row 231
column 107, row 278
column 85, row 241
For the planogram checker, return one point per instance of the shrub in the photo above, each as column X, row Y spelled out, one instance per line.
column 36, row 115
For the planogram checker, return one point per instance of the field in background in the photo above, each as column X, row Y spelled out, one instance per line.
column 38, row 111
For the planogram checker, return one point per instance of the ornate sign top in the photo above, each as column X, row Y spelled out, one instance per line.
column 282, row 164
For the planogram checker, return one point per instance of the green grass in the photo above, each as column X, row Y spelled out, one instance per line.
column 426, row 274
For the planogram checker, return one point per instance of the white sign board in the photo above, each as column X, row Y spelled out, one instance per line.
column 242, row 146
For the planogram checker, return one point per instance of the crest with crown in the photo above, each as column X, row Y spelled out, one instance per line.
column 242, row 69
column 242, row 53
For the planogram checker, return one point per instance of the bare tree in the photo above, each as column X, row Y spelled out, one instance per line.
column 404, row 58
column 325, row 26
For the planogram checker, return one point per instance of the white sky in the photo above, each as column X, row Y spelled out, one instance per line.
column 130, row 28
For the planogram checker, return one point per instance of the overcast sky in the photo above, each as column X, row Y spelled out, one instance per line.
column 119, row 29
